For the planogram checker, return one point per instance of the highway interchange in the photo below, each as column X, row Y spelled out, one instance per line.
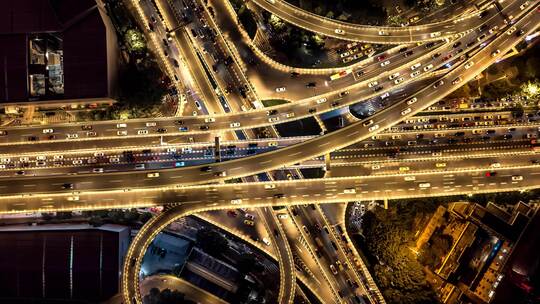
column 171, row 161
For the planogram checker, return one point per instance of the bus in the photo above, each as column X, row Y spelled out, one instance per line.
column 341, row 74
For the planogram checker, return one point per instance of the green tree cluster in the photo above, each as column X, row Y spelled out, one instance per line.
column 211, row 242
column 117, row 216
column 165, row 296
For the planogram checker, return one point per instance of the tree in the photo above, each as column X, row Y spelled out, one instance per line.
column 211, row 241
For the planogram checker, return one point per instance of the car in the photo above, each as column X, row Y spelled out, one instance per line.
column 283, row 216
column 412, row 100
column 469, row 64
column 72, row 136
column 493, row 29
column 398, row 81
column 333, row 269
column 408, row 53
column 372, row 84
column 204, row 128
column 481, row 37
column 385, row 63
column 67, row 186
column 220, row 174
column 343, row 94
column 385, row 95
column 47, row 131
column 206, row 169
column 289, row 115
column 373, row 128
column 3, row 133
column 77, row 162
column 435, row 34
column 235, row 124
column 232, row 213
column 428, row 67
column 416, row 66
column 495, row 165
column 440, row 165
column 415, row 73
column 490, row 173
column 457, row 80
column 424, row 185
column 524, row 5
column 281, row 89
column 406, row 111
column 91, row 134
column 438, row 84
column 114, row 159
column 249, row 223
column 279, row 195
column 384, row 33
column 266, row 241
column 368, row 123
column 121, row 133
column 142, row 132
column 96, row 154
column 495, row 53
column 140, row 166
column 179, row 164
column 321, row 100
column 375, row 167
column 209, row 119
column 349, row 191
column 152, row 174
column 150, row 124
column 381, row 57
column 517, row 177
column 237, row 201
column 121, row 125
column 429, row 45
column 404, row 169
column 97, row 170
column 161, row 130
column 393, row 76
column 410, row 178
column 272, row 144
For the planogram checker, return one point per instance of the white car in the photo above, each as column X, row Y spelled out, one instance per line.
column 393, row 76
column 410, row 178
column 415, row 66
column 96, row 154
column 70, row 136
column 272, row 144
column 47, row 131
column 152, row 174
column 289, row 115
column 406, row 111
column 524, row 5
column 171, row 150
column 339, row 31
column 281, row 89
column 372, row 84
column 511, row 30
column 424, row 185
column 235, row 124
column 412, row 100
column 495, row 165
column 114, row 160
column 414, row 74
column 273, row 119
column 121, row 133
column 237, row 201
column 283, row 216
column 142, row 132
column 399, row 80
column 495, row 53
column 150, row 124
column 321, row 100
column 41, row 157
column 373, row 128
column 385, row 95
column 383, row 33
column 469, row 64
column 97, row 170
column 58, row 157
column 269, row 186
column 349, row 191
column 266, row 241
column 436, row 34
column 77, row 162
column 121, row 125
column 209, row 119
column 428, row 67
column 517, row 177
column 375, row 167
column 368, row 123
column 387, row 62
column 440, row 165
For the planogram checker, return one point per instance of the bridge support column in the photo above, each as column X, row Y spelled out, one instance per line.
column 327, row 161
column 217, row 150
column 386, row 204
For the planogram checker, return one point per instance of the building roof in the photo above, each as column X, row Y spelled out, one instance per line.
column 83, row 33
